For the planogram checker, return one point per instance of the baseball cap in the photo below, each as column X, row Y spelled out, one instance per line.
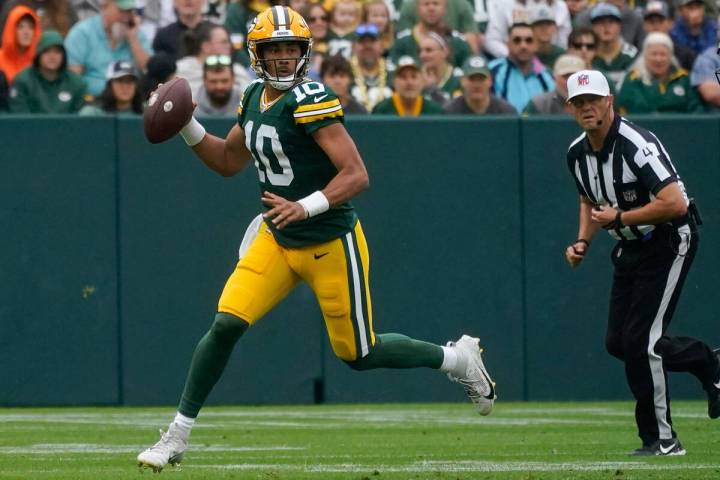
column 120, row 69
column 407, row 61
column 475, row 66
column 367, row 30
column 681, row 3
column 541, row 14
column 656, row 8
column 126, row 4
column 587, row 82
column 602, row 10
column 567, row 64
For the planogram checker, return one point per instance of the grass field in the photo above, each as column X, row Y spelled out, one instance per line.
column 358, row 442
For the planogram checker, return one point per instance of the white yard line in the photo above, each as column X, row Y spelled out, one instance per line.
column 457, row 466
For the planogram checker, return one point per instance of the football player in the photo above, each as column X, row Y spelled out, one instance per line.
column 309, row 169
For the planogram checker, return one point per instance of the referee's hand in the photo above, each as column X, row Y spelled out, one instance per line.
column 575, row 253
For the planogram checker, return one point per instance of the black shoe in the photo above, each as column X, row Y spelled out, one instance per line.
column 713, row 394
column 662, row 448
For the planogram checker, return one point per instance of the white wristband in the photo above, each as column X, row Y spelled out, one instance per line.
column 193, row 132
column 315, row 203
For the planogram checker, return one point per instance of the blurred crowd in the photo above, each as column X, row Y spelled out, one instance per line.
column 391, row 57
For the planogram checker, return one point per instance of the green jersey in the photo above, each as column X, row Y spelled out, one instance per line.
column 617, row 67
column 406, row 43
column 339, row 44
column 289, row 161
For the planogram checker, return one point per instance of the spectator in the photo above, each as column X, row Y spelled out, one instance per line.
column 555, row 102
column 54, row 14
column 476, row 98
column 631, row 22
column 97, row 42
column 318, row 21
column 155, row 15
column 20, row 36
column 657, row 18
column 614, row 55
column 407, row 100
column 583, row 43
column 692, row 29
column 369, row 68
column 657, row 84
column 510, row 12
column 431, row 14
column 206, row 40
column 520, row 76
column 240, row 15
column 704, row 78
column 544, row 30
column 121, row 94
column 344, row 17
column 378, row 13
column 161, row 68
column 442, row 80
column 457, row 15
column 337, row 74
column 575, row 8
column 48, row 86
column 189, row 17
column 218, row 95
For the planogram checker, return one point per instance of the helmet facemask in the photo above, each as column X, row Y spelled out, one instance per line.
column 302, row 65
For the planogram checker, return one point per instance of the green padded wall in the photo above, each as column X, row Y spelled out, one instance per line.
column 114, row 252
column 181, row 225
column 58, row 281
column 442, row 220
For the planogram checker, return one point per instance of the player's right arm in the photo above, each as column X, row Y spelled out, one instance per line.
column 226, row 156
column 587, row 229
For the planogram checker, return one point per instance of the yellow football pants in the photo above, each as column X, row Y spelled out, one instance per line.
column 337, row 271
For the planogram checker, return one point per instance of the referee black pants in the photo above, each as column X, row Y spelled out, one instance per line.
column 649, row 275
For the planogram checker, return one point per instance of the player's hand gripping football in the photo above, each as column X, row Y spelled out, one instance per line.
column 282, row 211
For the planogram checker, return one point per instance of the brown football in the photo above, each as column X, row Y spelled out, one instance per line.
column 169, row 109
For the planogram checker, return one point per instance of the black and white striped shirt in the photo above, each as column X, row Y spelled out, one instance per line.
column 627, row 173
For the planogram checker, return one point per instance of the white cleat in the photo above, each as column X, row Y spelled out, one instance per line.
column 169, row 449
column 476, row 380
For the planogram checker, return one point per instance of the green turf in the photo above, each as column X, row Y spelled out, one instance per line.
column 358, row 442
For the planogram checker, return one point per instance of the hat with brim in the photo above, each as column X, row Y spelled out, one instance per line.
column 121, row 69
column 475, row 66
column 656, row 9
column 126, row 4
column 682, row 3
column 541, row 14
column 605, row 10
column 568, row 64
column 406, row 61
column 367, row 30
column 587, row 82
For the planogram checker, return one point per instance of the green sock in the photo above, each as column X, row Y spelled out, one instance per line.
column 209, row 360
column 393, row 350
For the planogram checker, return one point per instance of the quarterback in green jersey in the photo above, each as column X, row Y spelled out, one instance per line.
column 308, row 169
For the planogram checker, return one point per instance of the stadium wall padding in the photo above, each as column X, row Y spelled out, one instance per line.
column 114, row 252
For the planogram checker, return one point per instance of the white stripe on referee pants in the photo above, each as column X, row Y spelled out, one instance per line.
column 655, row 360
column 359, row 317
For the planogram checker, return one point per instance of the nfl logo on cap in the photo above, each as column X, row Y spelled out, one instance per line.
column 587, row 82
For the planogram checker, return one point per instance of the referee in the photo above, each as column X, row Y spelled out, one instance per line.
column 629, row 187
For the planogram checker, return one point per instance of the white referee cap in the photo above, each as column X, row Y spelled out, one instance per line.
column 590, row 82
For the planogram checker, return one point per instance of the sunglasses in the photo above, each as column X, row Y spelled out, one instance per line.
column 323, row 18
column 519, row 40
column 214, row 60
column 581, row 46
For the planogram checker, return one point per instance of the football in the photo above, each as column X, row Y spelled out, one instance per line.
column 169, row 109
